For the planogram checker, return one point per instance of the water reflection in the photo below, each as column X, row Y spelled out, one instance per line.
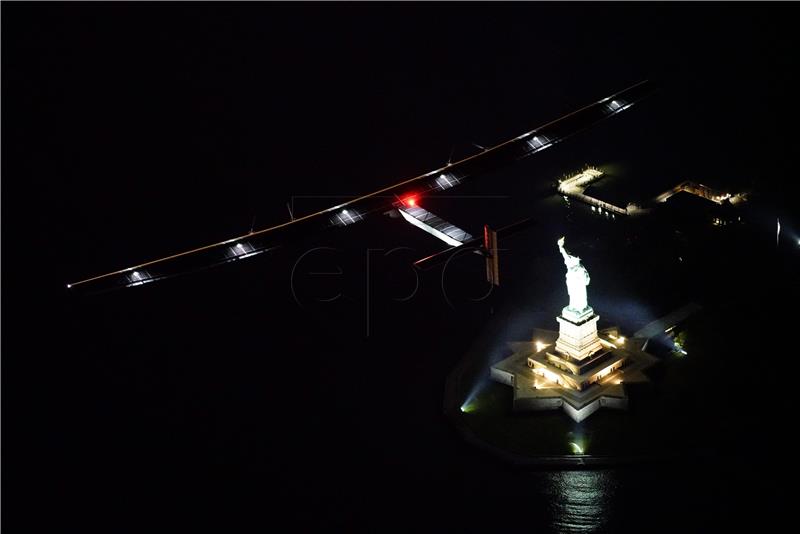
column 581, row 501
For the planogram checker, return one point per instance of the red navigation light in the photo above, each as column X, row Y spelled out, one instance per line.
column 410, row 201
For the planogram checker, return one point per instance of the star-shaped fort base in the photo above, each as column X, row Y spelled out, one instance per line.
column 544, row 378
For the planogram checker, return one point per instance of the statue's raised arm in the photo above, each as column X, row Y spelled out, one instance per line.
column 561, row 248
column 569, row 259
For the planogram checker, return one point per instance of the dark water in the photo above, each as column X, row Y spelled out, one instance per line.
column 215, row 398
column 582, row 501
column 224, row 406
column 216, row 401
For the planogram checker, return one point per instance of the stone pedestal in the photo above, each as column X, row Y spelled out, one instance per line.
column 577, row 333
column 544, row 379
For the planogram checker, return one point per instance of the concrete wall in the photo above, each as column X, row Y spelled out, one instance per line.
column 613, row 402
column 525, row 404
column 583, row 413
column 503, row 377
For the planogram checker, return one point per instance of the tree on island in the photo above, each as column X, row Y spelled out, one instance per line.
column 680, row 342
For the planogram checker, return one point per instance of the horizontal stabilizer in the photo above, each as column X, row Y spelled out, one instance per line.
column 476, row 243
column 434, row 225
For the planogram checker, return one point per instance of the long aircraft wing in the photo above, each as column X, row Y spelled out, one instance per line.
column 356, row 210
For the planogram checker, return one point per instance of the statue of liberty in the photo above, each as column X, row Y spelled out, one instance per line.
column 577, row 280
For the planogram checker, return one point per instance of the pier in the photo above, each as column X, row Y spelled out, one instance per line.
column 701, row 191
column 575, row 185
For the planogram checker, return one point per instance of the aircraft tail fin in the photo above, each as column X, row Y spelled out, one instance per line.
column 492, row 260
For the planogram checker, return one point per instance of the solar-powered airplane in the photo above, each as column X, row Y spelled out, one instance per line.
column 402, row 198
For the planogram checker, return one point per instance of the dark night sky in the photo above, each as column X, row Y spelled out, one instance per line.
column 135, row 130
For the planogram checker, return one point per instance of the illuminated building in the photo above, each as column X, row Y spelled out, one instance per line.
column 578, row 368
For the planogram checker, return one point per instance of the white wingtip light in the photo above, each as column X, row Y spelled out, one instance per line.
column 69, row 286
